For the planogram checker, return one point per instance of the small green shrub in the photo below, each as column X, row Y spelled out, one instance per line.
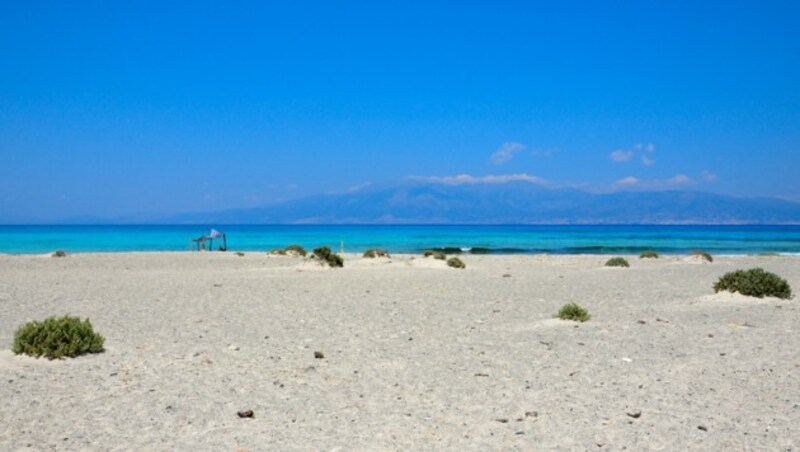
column 754, row 282
column 240, row 254
column 573, row 312
column 57, row 338
column 59, row 253
column 325, row 255
column 376, row 252
column 617, row 262
column 648, row 254
column 322, row 252
column 455, row 263
column 334, row 260
column 295, row 249
column 435, row 254
column 702, row 254
column 277, row 252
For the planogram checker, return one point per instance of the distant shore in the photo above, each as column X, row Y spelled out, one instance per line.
column 412, row 355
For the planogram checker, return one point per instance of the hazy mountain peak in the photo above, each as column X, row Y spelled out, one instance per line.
column 514, row 199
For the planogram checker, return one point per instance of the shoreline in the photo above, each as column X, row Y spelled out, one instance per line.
column 412, row 239
column 405, row 254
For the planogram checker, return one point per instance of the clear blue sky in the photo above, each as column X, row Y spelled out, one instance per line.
column 112, row 108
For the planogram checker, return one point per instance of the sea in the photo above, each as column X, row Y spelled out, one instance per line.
column 476, row 239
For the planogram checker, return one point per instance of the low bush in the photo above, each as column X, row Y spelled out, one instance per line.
column 648, row 254
column 703, row 255
column 59, row 253
column 455, row 263
column 240, row 254
column 754, row 282
column 325, row 255
column 295, row 249
column 57, row 337
column 617, row 262
column 435, row 254
column 321, row 253
column 573, row 312
column 376, row 252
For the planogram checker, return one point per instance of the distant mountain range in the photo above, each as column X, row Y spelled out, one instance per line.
column 516, row 202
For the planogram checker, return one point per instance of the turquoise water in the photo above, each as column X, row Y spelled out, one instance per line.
column 412, row 239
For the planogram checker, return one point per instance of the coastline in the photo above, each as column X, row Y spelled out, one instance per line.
column 416, row 354
column 497, row 239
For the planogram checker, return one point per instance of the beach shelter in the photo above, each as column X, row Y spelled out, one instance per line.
column 206, row 242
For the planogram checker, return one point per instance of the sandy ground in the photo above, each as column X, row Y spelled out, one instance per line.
column 417, row 356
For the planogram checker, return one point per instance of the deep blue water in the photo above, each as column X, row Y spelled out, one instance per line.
column 504, row 239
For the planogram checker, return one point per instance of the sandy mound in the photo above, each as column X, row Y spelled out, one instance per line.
column 737, row 298
column 695, row 259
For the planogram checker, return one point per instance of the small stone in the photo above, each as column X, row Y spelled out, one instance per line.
column 531, row 414
column 502, row 420
column 635, row 414
column 702, row 427
column 246, row 414
column 641, row 322
column 506, row 275
column 319, row 355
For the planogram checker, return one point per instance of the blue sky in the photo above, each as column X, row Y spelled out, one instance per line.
column 114, row 108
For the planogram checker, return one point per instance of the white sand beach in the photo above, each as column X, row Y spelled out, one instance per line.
column 417, row 356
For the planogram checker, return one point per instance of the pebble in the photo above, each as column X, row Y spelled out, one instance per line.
column 319, row 355
column 246, row 414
